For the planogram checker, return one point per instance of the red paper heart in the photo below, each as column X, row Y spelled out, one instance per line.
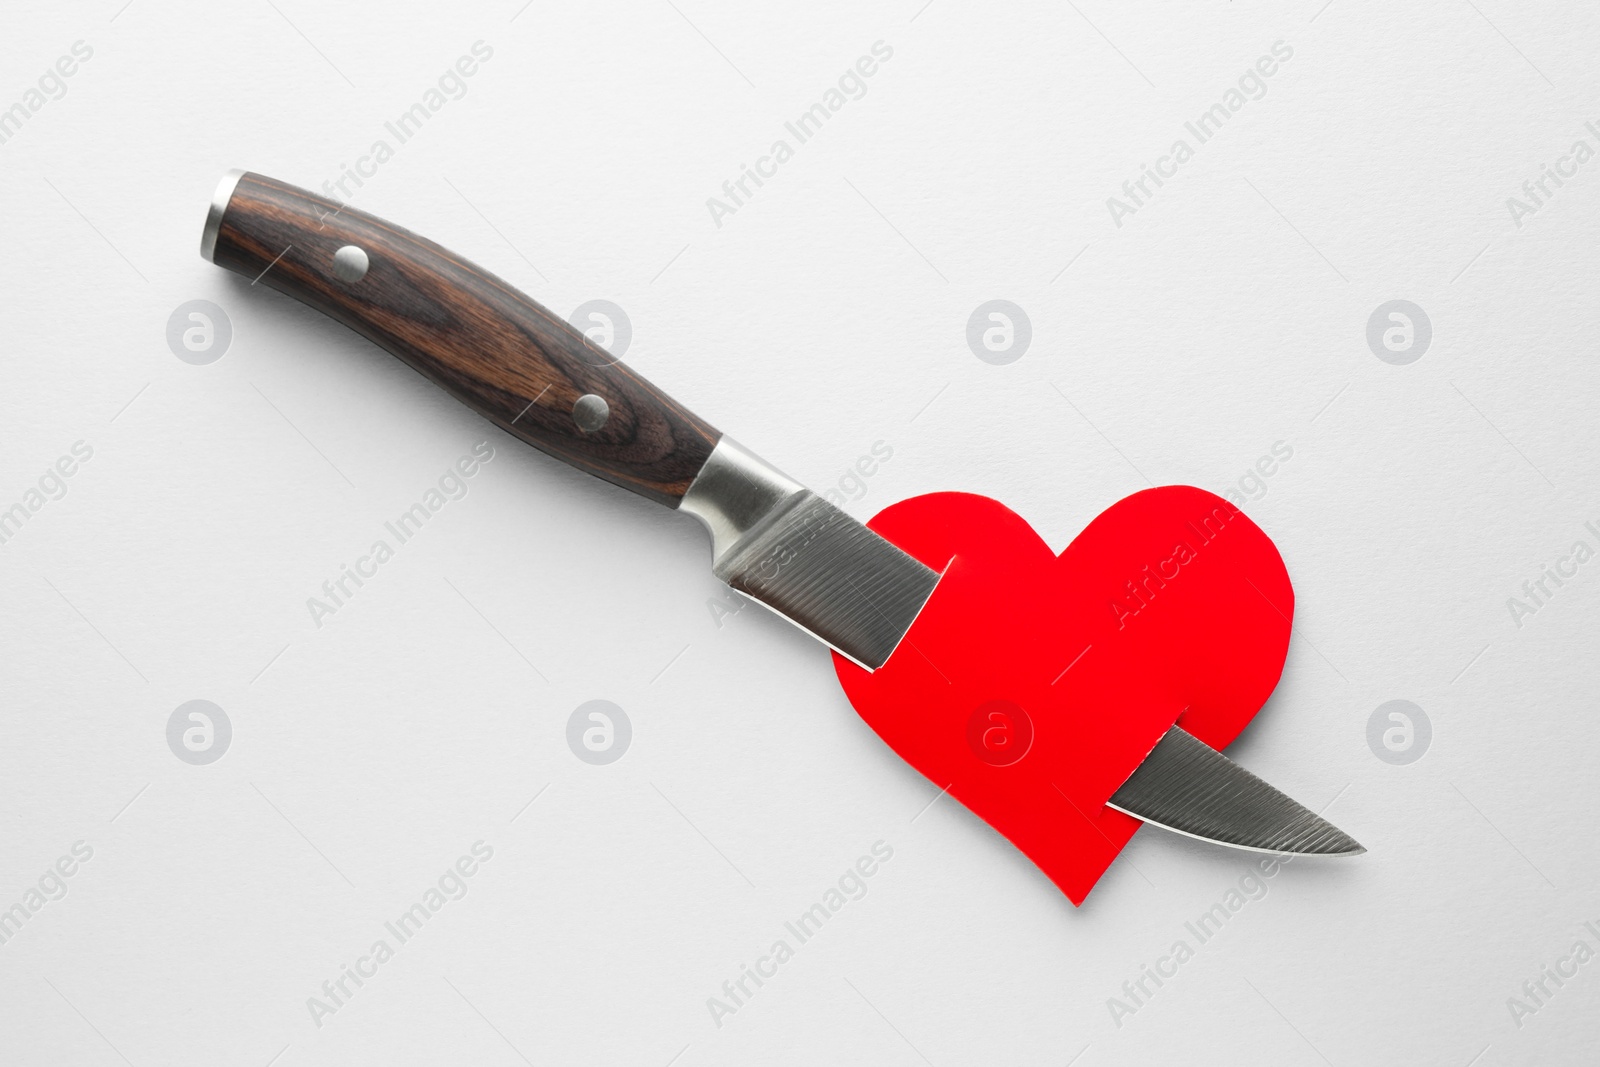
column 1033, row 684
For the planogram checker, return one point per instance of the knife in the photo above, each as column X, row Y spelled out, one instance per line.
column 544, row 382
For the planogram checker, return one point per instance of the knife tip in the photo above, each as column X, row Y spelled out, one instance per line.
column 1342, row 844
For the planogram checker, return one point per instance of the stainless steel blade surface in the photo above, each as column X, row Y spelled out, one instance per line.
column 780, row 544
column 833, row 577
column 1186, row 785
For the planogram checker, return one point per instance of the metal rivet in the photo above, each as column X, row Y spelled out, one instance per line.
column 350, row 263
column 590, row 412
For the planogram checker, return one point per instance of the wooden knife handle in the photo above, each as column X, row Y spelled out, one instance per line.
column 495, row 350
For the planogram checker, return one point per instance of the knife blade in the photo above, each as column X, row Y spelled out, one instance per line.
column 539, row 379
column 783, row 546
column 1186, row 786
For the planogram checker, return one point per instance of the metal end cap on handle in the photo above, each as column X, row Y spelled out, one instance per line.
column 219, row 207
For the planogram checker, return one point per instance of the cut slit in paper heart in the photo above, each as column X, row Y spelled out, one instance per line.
column 1033, row 684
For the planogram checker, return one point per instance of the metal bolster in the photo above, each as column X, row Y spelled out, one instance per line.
column 736, row 492
column 219, row 207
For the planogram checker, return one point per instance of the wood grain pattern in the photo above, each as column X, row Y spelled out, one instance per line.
column 500, row 353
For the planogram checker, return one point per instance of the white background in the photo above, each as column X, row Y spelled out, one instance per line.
column 827, row 314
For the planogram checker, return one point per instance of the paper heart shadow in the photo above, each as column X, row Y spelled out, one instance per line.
column 1033, row 684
